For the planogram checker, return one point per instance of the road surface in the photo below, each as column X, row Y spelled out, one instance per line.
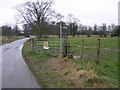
column 15, row 73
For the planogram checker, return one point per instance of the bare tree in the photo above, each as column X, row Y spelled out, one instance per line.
column 73, row 24
column 104, row 28
column 95, row 31
column 38, row 14
column 16, row 29
column 72, row 19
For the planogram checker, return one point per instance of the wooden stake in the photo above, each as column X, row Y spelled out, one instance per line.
column 98, row 52
column 65, row 46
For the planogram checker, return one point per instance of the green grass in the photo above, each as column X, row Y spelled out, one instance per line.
column 5, row 39
column 90, row 43
column 33, row 59
column 107, row 70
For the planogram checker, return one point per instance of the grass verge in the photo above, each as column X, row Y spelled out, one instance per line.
column 69, row 73
column 5, row 39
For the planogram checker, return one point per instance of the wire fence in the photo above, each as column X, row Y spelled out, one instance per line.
column 84, row 52
column 80, row 50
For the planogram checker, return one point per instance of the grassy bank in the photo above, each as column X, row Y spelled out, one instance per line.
column 5, row 39
column 69, row 73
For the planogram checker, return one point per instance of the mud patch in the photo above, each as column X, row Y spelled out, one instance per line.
column 53, row 59
column 65, row 74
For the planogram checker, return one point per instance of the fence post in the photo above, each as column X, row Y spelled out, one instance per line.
column 68, row 49
column 81, row 56
column 65, row 46
column 98, row 52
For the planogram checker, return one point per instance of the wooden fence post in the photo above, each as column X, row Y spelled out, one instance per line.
column 68, row 49
column 98, row 52
column 65, row 48
column 81, row 56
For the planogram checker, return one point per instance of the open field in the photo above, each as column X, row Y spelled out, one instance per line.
column 56, row 36
column 70, row 73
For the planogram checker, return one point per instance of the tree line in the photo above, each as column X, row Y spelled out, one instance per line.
column 75, row 29
column 7, row 30
column 40, row 19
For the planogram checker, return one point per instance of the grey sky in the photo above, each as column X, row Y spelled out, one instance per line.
column 89, row 12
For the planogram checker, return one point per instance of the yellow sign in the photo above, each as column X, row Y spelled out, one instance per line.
column 45, row 45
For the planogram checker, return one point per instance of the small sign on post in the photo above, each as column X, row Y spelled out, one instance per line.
column 45, row 45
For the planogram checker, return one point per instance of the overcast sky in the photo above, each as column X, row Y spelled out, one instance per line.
column 89, row 12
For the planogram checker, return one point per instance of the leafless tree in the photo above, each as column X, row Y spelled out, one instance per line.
column 73, row 24
column 72, row 19
column 38, row 14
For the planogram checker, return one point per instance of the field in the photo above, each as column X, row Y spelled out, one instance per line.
column 53, row 72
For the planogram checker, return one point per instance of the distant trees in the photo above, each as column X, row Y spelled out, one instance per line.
column 73, row 24
column 27, row 30
column 102, row 30
column 38, row 14
column 16, row 30
column 54, row 28
column 73, row 28
column 9, row 31
column 95, row 30
column 116, row 31
column 40, row 19
column 89, row 31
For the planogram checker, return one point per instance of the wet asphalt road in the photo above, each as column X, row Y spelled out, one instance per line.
column 15, row 73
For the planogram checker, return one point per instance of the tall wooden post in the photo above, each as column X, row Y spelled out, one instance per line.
column 98, row 52
column 82, row 48
column 68, row 49
column 65, row 46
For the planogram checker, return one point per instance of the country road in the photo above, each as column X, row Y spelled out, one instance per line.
column 15, row 73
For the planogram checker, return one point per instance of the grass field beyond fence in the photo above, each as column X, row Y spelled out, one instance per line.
column 71, row 73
